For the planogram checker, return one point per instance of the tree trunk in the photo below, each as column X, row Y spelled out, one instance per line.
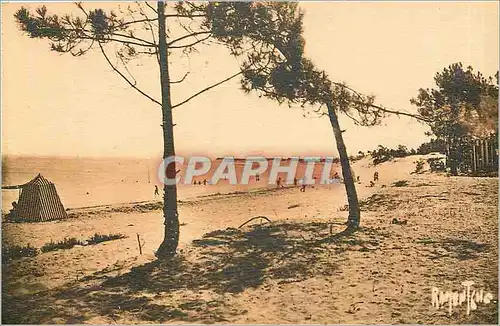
column 486, row 158
column 474, row 159
column 168, row 247
column 452, row 157
column 350, row 187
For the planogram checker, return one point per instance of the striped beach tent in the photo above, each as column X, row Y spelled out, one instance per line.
column 39, row 201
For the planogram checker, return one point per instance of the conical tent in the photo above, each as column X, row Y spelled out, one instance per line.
column 39, row 201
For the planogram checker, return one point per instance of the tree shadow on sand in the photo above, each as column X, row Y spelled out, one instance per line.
column 192, row 286
column 456, row 248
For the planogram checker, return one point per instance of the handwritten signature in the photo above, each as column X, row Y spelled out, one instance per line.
column 469, row 295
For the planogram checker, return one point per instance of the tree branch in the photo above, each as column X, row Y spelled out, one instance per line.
column 181, row 80
column 80, row 6
column 186, row 16
column 187, row 36
column 362, row 102
column 86, row 34
column 135, row 22
column 81, row 51
column 123, row 76
column 207, row 89
column 147, row 43
column 356, row 121
column 119, row 56
column 415, row 116
column 192, row 44
column 145, row 19
column 195, row 7
column 152, row 30
column 151, row 7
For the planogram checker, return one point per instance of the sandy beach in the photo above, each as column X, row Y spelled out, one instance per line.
column 88, row 182
column 296, row 269
column 280, row 162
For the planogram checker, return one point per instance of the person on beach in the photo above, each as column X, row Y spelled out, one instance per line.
column 375, row 176
column 279, row 184
column 157, row 192
column 204, row 182
column 295, row 181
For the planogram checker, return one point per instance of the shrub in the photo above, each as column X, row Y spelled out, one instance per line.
column 15, row 252
column 344, row 208
column 419, row 168
column 434, row 145
column 357, row 157
column 400, row 183
column 384, row 154
column 436, row 164
column 98, row 238
column 66, row 243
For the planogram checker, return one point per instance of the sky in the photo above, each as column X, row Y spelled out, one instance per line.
column 55, row 104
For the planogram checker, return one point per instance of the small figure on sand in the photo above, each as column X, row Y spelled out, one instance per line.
column 157, row 192
column 372, row 184
column 295, row 181
column 375, row 176
column 204, row 182
column 257, row 177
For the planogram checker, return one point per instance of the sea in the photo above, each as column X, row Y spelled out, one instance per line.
column 95, row 181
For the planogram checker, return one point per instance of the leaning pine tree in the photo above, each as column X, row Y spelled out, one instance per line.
column 285, row 75
column 166, row 32
column 299, row 82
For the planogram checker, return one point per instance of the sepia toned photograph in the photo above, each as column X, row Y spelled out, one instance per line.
column 200, row 162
